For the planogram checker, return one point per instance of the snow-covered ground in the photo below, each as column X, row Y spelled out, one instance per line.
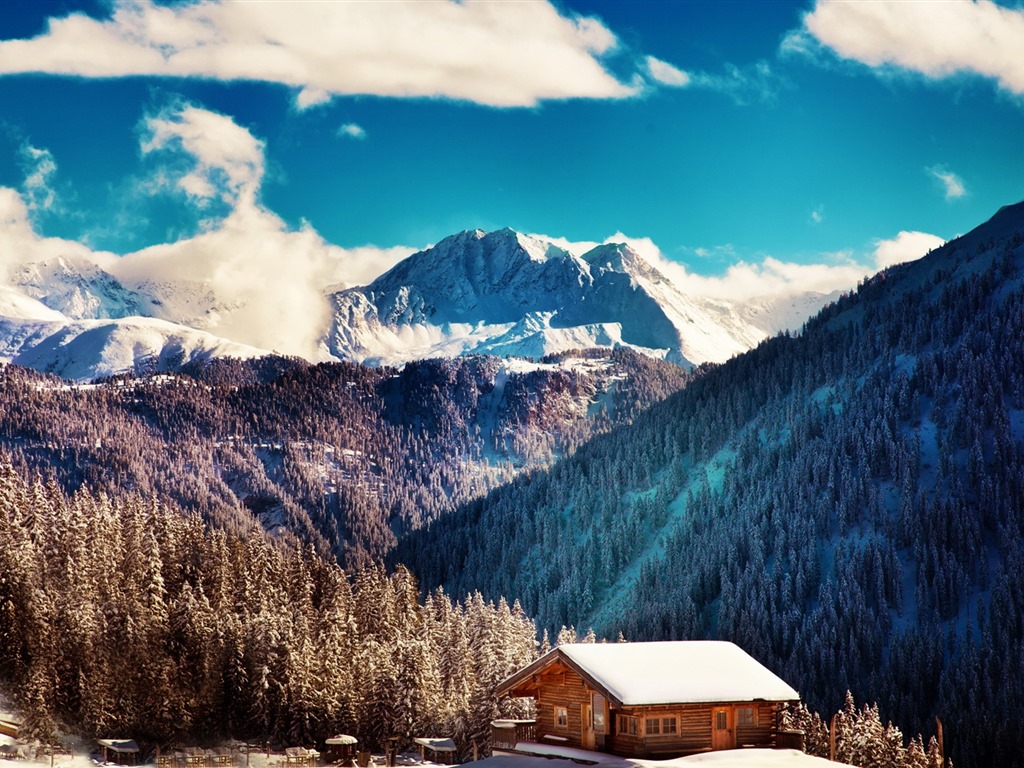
column 730, row 758
column 733, row 758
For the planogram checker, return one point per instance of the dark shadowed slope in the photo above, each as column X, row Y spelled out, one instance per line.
column 848, row 505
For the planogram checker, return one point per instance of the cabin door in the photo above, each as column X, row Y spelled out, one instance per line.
column 587, row 737
column 722, row 736
column 595, row 717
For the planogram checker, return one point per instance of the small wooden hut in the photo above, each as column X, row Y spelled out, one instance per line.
column 436, row 750
column 121, row 751
column 652, row 700
column 341, row 749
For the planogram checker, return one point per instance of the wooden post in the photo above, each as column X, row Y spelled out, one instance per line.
column 832, row 739
column 942, row 746
column 476, row 754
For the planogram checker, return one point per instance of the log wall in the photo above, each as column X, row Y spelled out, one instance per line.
column 561, row 686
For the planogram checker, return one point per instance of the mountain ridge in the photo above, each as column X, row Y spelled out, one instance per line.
column 479, row 292
column 474, row 292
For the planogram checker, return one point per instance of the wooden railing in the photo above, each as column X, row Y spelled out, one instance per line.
column 505, row 734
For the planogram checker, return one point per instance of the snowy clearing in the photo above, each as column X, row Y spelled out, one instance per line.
column 730, row 758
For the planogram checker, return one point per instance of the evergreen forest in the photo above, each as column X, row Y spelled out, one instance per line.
column 127, row 616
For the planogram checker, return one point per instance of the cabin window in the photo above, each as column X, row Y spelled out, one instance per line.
column 628, row 726
column 597, row 712
column 746, row 716
column 661, row 726
column 561, row 717
column 721, row 720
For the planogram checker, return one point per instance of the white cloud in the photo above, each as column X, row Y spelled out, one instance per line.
column 936, row 39
column 741, row 280
column 311, row 97
column 771, row 277
column 40, row 169
column 352, row 131
column 906, row 246
column 665, row 73
column 226, row 160
column 818, row 214
column 952, row 185
column 757, row 82
column 266, row 281
column 499, row 54
column 19, row 242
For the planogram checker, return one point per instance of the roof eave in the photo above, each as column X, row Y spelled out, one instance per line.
column 553, row 656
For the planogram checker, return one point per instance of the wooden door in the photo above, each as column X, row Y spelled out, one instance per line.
column 587, row 740
column 722, row 734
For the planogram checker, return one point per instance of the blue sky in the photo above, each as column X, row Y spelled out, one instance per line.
column 790, row 139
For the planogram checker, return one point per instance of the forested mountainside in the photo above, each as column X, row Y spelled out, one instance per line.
column 344, row 457
column 123, row 616
column 847, row 505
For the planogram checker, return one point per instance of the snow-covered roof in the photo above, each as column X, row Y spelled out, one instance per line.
column 680, row 672
column 438, row 745
column 341, row 738
column 119, row 745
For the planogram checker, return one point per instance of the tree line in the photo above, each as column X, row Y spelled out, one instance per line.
column 124, row 617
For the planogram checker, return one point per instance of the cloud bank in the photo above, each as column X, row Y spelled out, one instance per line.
column 251, row 278
column 772, row 277
column 497, row 54
column 936, row 39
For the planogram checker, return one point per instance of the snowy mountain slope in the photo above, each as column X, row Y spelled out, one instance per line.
column 76, row 287
column 508, row 293
column 15, row 304
column 86, row 349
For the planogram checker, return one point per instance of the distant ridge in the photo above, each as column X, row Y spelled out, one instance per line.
column 475, row 292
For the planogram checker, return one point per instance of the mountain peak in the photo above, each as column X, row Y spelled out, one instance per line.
column 520, row 294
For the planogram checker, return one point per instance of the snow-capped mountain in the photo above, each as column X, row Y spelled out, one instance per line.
column 76, row 287
column 511, row 294
column 68, row 316
column 87, row 349
column 501, row 293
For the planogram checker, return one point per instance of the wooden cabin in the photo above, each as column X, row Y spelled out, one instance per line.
column 652, row 700
column 121, row 751
column 341, row 749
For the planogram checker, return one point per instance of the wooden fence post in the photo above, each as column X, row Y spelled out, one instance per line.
column 832, row 738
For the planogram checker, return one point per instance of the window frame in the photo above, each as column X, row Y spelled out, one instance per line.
column 746, row 717
column 561, row 717
column 661, row 725
column 627, row 725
